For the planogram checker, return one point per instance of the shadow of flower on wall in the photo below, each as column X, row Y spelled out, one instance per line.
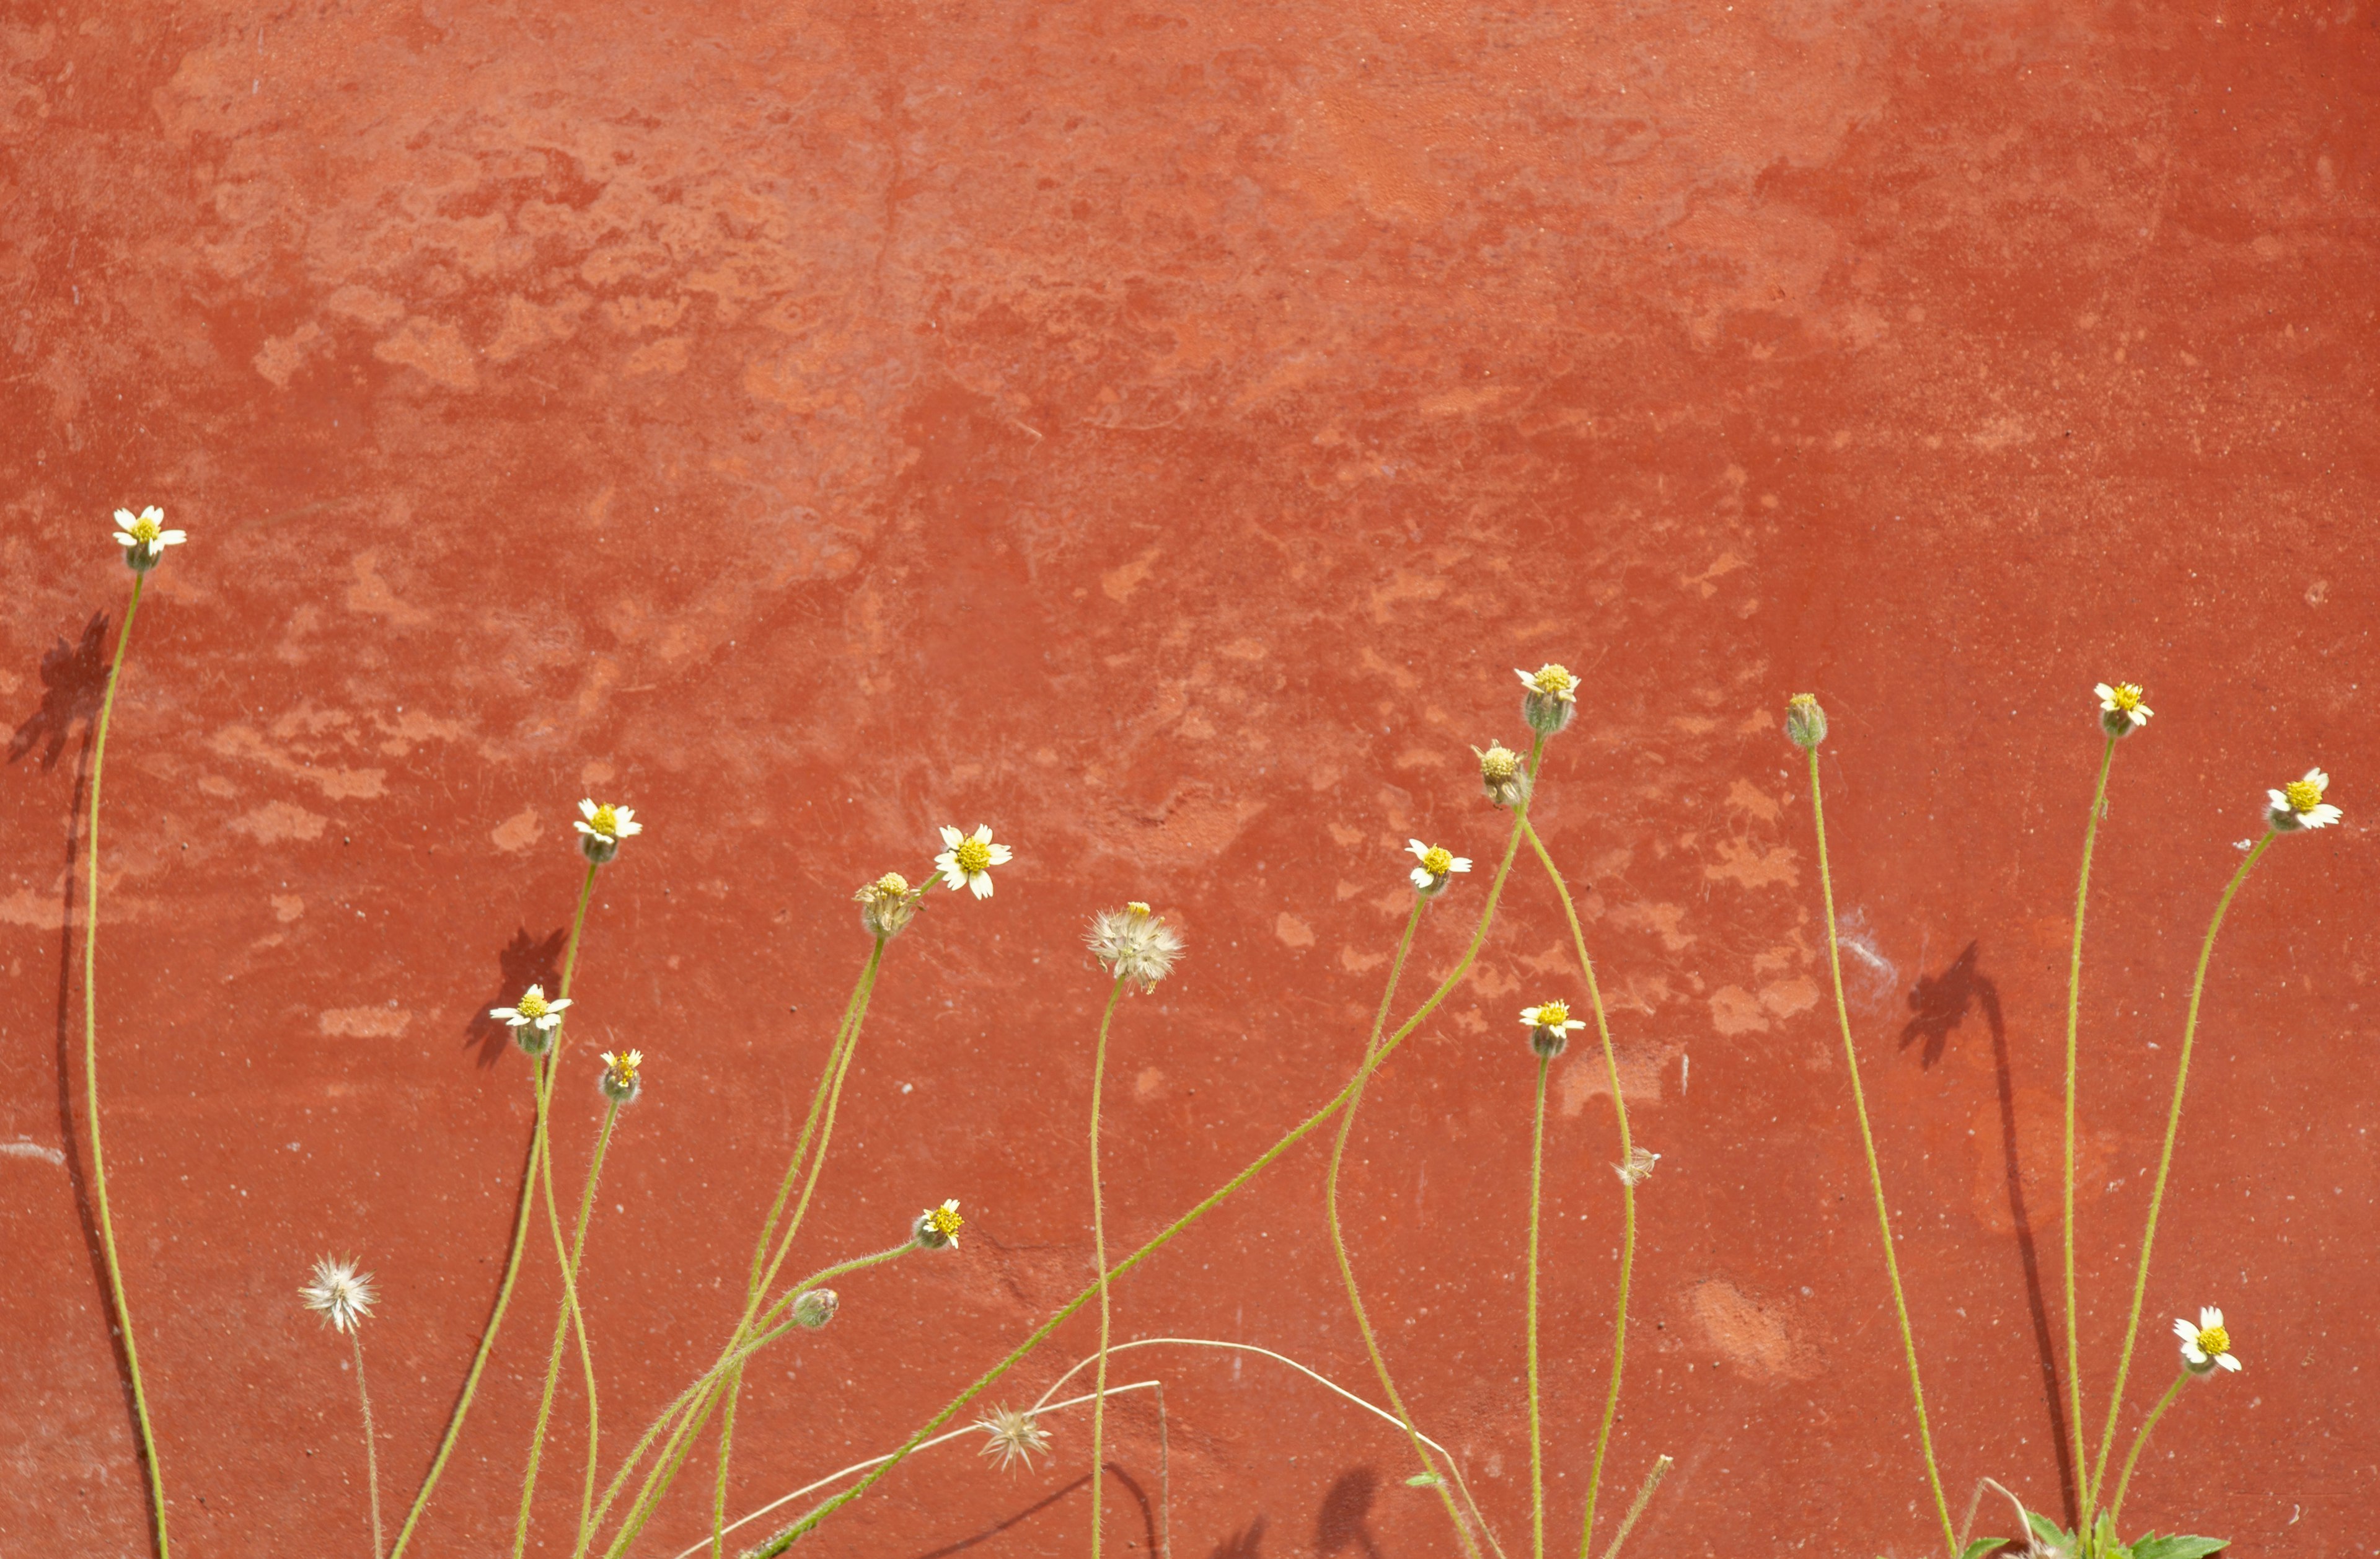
column 526, row 960
column 73, row 678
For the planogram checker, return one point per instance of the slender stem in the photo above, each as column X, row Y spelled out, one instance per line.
column 540, row 1082
column 565, row 1317
column 1338, row 1242
column 2124, row 1478
column 1635, row 1510
column 2073, row 1027
column 734, row 1394
column 372, row 1447
column 1536, row 1438
column 1627, row 1190
column 2164, row 1156
column 809, row 1124
column 90, row 1089
column 1874, row 1174
column 1297, row 1134
column 1100, row 1259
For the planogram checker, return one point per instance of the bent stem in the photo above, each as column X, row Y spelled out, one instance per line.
column 2073, row 1025
column 2124, row 1478
column 1297, row 1134
column 2164, row 1156
column 1099, row 1256
column 372, row 1450
column 1346, row 1267
column 541, row 1084
column 90, row 1089
column 1874, row 1174
column 564, row 1317
column 1627, row 1191
column 1537, row 1440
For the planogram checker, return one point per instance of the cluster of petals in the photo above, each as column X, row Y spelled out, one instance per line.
column 967, row 858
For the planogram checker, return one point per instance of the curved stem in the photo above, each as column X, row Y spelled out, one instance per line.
column 1874, row 1174
column 2165, row 1155
column 1347, row 1268
column 1537, row 1439
column 2073, row 1028
column 565, row 1317
column 123, row 1307
column 1627, row 1192
column 372, row 1448
column 1297, row 1134
column 2124, row 1479
column 1100, row 1259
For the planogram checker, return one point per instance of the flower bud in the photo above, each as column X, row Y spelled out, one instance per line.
column 886, row 905
column 815, row 1308
column 1502, row 776
column 937, row 1226
column 1550, row 1026
column 1805, row 722
column 619, row 1082
column 1552, row 700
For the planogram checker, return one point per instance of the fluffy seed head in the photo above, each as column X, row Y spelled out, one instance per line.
column 1013, row 1436
column 339, row 1294
column 1134, row 944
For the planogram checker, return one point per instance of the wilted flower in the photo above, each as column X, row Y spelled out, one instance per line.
column 339, row 1294
column 1638, row 1168
column 2206, row 1345
column 2298, row 804
column 1013, row 1436
column 967, row 859
column 1552, row 698
column 602, row 828
column 1550, row 1026
column 886, row 905
column 620, row 1083
column 814, row 1308
column 144, row 537
column 938, row 1227
column 1134, row 944
column 1429, row 877
column 2120, row 710
column 1502, row 776
column 1805, row 722
column 534, row 1020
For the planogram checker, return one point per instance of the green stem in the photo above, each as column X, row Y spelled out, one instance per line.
column 90, row 1089
column 1627, row 1192
column 733, row 1393
column 1537, row 1439
column 1100, row 1259
column 1636, row 1510
column 1297, row 1134
column 2164, row 1156
column 2124, row 1479
column 371, row 1449
column 1346, row 1267
column 541, row 1084
column 565, row 1317
column 2073, row 1029
column 809, row 1124
column 1874, row 1174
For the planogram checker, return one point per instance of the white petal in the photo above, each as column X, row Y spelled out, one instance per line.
column 2193, row 1352
column 1574, row 1023
column 1526, row 680
column 951, row 836
column 171, row 539
column 1417, row 847
column 1529, row 1016
column 983, row 833
column 2227, row 1361
column 558, row 1005
column 2317, row 779
column 124, row 540
column 510, row 1014
column 586, row 808
column 2280, row 802
column 2321, row 817
column 1000, row 855
column 582, row 828
column 126, row 517
column 2141, row 715
column 2209, row 1318
column 981, row 884
column 624, row 813
column 1459, row 863
column 627, row 828
column 2106, row 695
column 2184, row 1330
column 152, row 513
column 1420, row 879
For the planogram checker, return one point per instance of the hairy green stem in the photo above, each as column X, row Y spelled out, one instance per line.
column 1874, row 1173
column 1636, row 1511
column 1536, row 1438
column 1297, row 1134
column 2073, row 1029
column 1099, row 1260
column 567, row 1315
column 371, row 1449
column 2124, row 1478
column 122, row 1307
column 1627, row 1190
column 2164, row 1157
column 1346, row 1267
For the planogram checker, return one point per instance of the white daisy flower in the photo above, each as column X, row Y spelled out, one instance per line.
column 600, row 829
column 2206, row 1345
column 339, row 1294
column 938, row 1227
column 144, row 537
column 619, row 1082
column 1550, row 1027
column 2120, row 710
column 2298, row 804
column 1013, row 1436
column 967, row 859
column 1551, row 699
column 1134, row 944
column 1429, row 877
column 532, row 1021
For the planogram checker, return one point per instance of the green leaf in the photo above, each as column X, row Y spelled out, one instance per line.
column 2049, row 1531
column 1423, row 1480
column 1981, row 1546
column 2177, row 1547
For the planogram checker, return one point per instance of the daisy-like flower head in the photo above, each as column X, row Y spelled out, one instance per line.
column 1013, row 1436
column 967, row 858
column 1552, row 698
column 2208, row 1345
column 532, row 1021
column 1639, row 1167
column 886, row 905
column 2298, row 804
column 600, row 829
column 339, row 1294
column 620, row 1082
column 2120, row 710
column 1805, row 722
column 1134, row 944
column 814, row 1308
column 144, row 537
column 1502, row 776
column 1550, row 1026
column 938, row 1227
column 1437, row 863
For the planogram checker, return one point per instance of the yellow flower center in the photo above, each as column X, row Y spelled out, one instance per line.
column 1499, row 763
column 2303, row 796
column 893, row 885
column 1137, row 908
column 972, row 856
column 2214, row 1340
column 625, row 1067
column 945, row 1220
column 144, row 530
column 1438, row 861
column 533, row 1005
column 1553, row 1014
column 1553, row 681
column 605, row 822
column 2126, row 698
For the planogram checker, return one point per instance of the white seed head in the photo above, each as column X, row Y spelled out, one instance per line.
column 339, row 1294
column 1013, row 1436
column 1134, row 944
